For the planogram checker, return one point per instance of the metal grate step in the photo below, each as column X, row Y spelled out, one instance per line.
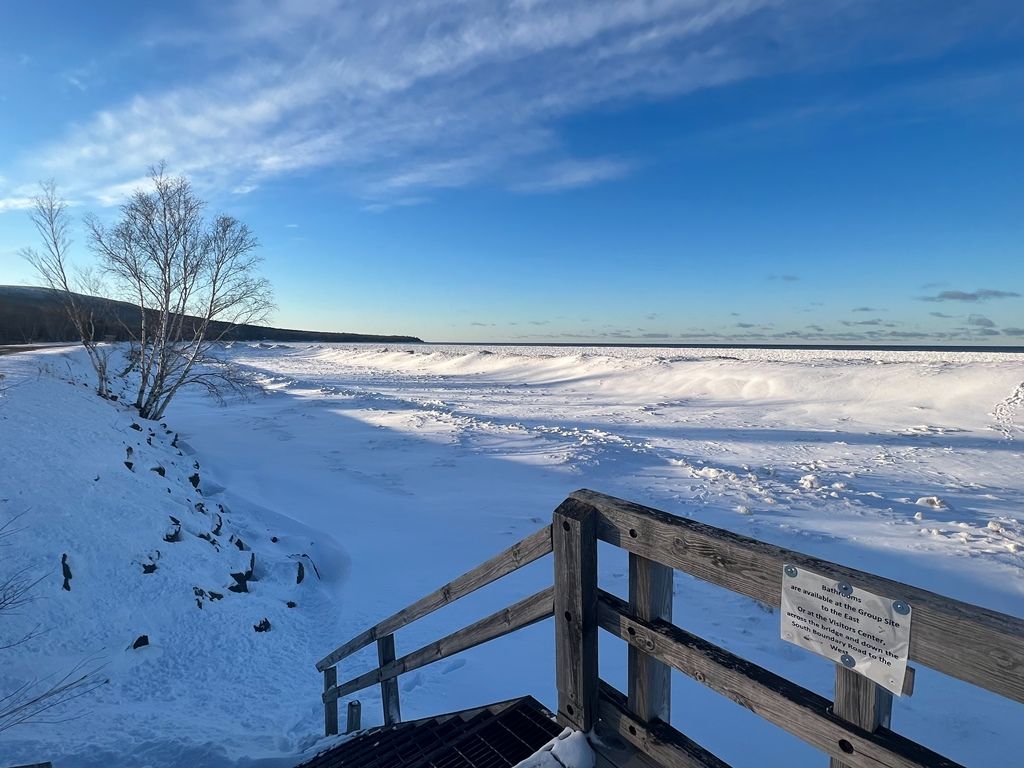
column 496, row 737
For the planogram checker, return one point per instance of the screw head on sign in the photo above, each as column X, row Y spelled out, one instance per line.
column 845, row 589
column 790, row 571
column 848, row 661
column 901, row 608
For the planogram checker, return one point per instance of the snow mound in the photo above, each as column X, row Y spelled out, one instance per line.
column 567, row 750
column 201, row 611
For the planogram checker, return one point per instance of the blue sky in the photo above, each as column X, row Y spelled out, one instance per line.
column 665, row 170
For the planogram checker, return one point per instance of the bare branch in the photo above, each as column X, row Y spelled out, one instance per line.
column 194, row 280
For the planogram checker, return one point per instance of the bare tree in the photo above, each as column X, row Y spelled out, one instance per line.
column 193, row 280
column 39, row 700
column 50, row 216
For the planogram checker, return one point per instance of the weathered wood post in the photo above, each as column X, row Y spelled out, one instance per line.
column 330, row 705
column 389, row 688
column 354, row 716
column 574, row 540
column 649, row 680
column 860, row 701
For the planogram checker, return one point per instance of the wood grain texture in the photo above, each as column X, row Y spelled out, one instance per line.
column 802, row 713
column 649, row 681
column 353, row 717
column 521, row 553
column 528, row 611
column 574, row 540
column 862, row 702
column 331, row 706
column 663, row 744
column 976, row 645
column 389, row 688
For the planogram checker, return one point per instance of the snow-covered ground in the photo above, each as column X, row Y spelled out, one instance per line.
column 396, row 468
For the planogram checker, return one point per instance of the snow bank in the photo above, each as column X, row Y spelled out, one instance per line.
column 172, row 579
column 567, row 750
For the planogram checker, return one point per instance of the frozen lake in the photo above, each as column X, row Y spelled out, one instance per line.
column 904, row 464
column 394, row 469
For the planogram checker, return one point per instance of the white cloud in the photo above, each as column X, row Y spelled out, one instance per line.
column 15, row 203
column 569, row 174
column 408, row 97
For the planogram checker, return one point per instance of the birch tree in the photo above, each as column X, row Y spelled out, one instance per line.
column 52, row 221
column 193, row 279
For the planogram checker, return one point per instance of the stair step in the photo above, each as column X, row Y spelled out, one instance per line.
column 498, row 736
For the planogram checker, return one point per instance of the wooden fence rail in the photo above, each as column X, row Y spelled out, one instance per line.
column 976, row 645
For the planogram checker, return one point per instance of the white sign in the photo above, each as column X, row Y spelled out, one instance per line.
column 865, row 632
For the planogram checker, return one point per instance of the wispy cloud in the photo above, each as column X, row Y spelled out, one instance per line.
column 982, row 294
column 570, row 174
column 980, row 321
column 396, row 93
column 15, row 203
column 405, row 98
column 873, row 321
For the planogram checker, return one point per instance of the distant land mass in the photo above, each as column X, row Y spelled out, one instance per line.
column 31, row 315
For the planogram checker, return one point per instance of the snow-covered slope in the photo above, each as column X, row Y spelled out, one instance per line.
column 151, row 543
column 423, row 461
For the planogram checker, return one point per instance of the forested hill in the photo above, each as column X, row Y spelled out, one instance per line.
column 30, row 314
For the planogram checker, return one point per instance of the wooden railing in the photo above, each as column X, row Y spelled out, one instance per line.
column 979, row 646
column 535, row 608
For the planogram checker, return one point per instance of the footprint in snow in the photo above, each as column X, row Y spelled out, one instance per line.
column 452, row 665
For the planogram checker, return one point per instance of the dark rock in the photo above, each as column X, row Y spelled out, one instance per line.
column 241, row 583
column 291, row 603
column 301, row 574
column 273, row 539
column 66, row 570
column 159, row 470
column 174, row 532
column 194, row 479
column 238, row 543
column 136, row 427
column 263, row 626
column 217, row 528
column 140, row 641
column 200, row 507
column 129, row 465
column 149, row 567
column 215, row 595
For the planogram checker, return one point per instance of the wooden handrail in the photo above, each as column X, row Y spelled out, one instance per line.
column 797, row 710
column 977, row 645
column 656, row 739
column 989, row 645
column 530, row 610
column 524, row 552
